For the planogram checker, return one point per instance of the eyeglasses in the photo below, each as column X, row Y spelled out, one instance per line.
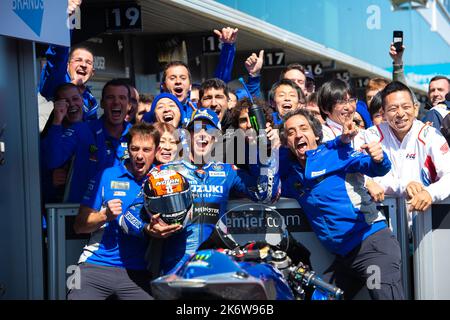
column 348, row 101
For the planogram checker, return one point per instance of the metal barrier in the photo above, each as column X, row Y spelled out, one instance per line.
column 65, row 247
column 431, row 234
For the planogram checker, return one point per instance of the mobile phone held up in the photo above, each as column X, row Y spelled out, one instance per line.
column 398, row 40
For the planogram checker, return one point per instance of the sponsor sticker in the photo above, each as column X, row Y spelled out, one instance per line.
column 163, row 174
column 217, row 174
column 120, row 194
column 121, row 185
column 318, row 173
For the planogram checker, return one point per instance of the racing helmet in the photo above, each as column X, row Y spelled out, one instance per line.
column 167, row 192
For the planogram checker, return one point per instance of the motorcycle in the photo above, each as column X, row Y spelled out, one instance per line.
column 250, row 256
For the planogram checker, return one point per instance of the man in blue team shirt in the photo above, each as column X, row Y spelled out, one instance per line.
column 327, row 181
column 74, row 65
column 113, row 263
column 95, row 145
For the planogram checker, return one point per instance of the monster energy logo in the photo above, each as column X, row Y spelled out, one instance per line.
column 254, row 123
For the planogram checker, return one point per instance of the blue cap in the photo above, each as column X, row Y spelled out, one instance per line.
column 205, row 114
column 149, row 117
column 309, row 75
column 362, row 109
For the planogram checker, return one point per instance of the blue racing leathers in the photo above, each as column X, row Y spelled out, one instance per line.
column 55, row 73
column 110, row 245
column 211, row 186
column 91, row 146
column 330, row 189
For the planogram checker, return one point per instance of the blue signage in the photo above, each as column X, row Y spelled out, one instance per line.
column 31, row 12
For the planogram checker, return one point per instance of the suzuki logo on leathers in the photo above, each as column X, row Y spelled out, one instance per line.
column 206, row 188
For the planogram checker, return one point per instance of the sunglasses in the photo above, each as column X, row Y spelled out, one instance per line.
column 198, row 126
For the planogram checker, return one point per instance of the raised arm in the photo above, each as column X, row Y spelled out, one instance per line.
column 228, row 38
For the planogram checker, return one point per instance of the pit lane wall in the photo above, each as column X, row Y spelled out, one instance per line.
column 431, row 239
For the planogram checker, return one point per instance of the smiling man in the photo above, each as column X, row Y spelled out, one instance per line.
column 96, row 145
column 177, row 80
column 211, row 183
column 113, row 262
column 419, row 153
column 285, row 96
column 166, row 108
column 438, row 89
column 213, row 95
column 326, row 181
column 68, row 111
column 77, row 67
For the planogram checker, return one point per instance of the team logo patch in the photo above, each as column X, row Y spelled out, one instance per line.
column 217, row 167
column 411, row 156
column 444, row 149
column 121, row 185
column 120, row 194
column 124, row 145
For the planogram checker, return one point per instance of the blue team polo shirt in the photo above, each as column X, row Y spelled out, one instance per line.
column 110, row 245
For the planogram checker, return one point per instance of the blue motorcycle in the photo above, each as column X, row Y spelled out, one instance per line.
column 250, row 256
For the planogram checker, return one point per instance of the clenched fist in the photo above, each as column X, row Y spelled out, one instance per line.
column 60, row 108
column 374, row 150
column 113, row 209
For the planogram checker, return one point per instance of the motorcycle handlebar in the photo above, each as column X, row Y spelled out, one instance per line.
column 310, row 278
column 327, row 287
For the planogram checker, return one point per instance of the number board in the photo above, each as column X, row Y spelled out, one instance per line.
column 125, row 17
column 360, row 82
column 343, row 75
column 211, row 44
column 315, row 68
column 274, row 59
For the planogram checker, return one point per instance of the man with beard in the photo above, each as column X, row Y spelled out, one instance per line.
column 95, row 145
column 241, row 147
column 113, row 262
column 326, row 181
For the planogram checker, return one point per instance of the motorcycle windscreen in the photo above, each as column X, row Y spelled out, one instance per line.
column 253, row 223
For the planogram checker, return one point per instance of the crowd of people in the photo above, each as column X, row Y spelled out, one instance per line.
column 339, row 156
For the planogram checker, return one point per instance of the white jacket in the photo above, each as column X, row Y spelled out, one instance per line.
column 423, row 156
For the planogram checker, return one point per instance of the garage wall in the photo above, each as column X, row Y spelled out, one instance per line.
column 21, row 272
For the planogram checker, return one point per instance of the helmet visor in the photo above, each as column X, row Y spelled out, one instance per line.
column 170, row 203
